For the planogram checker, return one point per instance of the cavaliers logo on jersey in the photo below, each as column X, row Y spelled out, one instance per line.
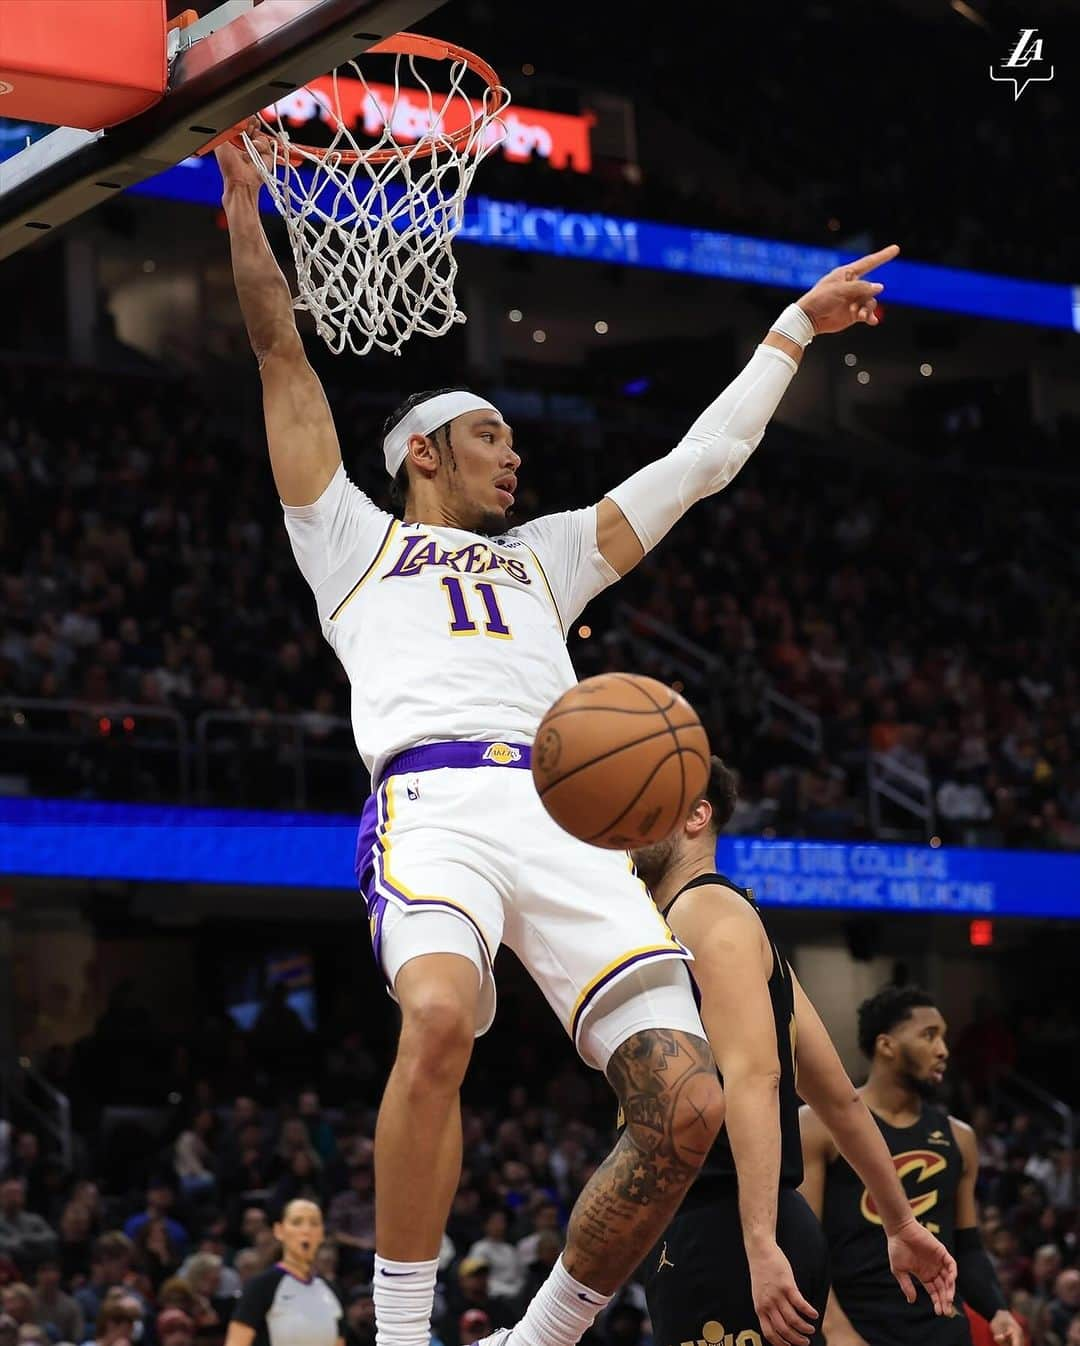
column 921, row 1165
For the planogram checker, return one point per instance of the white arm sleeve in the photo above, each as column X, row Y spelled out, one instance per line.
column 565, row 547
column 335, row 539
column 712, row 451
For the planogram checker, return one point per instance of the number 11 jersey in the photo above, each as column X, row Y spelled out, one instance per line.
column 444, row 634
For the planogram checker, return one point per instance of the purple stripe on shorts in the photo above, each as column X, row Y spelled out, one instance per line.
column 674, row 950
column 462, row 753
column 367, row 846
column 371, row 876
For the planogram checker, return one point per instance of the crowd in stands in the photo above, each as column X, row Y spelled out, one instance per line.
column 156, row 1248
column 143, row 561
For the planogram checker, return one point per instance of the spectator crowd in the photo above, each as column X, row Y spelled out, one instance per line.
column 143, row 562
column 85, row 1259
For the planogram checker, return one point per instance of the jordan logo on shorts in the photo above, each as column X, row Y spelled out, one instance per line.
column 665, row 1261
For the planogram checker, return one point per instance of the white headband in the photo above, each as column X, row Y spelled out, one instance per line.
column 424, row 419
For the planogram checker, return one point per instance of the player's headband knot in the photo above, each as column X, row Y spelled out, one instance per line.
column 426, row 418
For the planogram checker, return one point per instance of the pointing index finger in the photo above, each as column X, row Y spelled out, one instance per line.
column 873, row 259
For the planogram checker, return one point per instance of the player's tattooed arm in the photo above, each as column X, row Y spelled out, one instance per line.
column 303, row 443
column 672, row 1104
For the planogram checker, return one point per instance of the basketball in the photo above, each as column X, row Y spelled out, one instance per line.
column 619, row 759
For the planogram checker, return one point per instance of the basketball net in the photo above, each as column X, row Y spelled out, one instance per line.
column 372, row 225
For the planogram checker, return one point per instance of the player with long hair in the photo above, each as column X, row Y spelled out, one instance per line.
column 451, row 625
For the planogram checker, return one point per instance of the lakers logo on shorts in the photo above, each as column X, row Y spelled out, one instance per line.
column 502, row 754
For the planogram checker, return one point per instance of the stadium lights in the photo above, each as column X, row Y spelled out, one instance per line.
column 528, row 68
column 851, row 360
column 863, row 376
column 539, row 336
column 600, row 327
column 515, row 315
column 926, row 369
column 584, row 632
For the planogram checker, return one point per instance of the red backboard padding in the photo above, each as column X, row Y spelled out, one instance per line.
column 85, row 63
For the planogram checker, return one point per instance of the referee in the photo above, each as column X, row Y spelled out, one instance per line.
column 288, row 1305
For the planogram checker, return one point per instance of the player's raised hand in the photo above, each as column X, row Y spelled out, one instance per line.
column 843, row 297
column 786, row 1317
column 915, row 1252
column 235, row 162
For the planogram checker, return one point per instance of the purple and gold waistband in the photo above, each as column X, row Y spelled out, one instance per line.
column 461, row 753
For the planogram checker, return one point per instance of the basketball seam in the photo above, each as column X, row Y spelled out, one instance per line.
column 610, row 752
column 618, row 710
column 633, row 681
column 677, row 751
column 664, row 712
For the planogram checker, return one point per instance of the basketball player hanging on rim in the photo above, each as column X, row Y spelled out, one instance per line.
column 745, row 1258
column 451, row 626
column 902, row 1032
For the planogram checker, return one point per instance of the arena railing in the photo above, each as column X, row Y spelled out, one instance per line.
column 676, row 652
column 699, row 667
column 120, row 741
column 262, row 758
column 257, row 753
column 32, row 1101
column 895, row 782
column 804, row 725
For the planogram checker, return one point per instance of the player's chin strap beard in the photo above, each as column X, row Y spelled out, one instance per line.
column 487, row 525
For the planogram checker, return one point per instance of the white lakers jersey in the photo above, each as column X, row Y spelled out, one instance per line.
column 444, row 634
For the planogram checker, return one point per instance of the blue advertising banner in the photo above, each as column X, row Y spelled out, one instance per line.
column 302, row 850
column 700, row 252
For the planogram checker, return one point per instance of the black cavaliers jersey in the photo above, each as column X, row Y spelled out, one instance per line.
column 929, row 1165
column 719, row 1167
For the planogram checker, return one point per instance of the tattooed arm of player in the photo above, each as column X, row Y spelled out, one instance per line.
column 300, row 433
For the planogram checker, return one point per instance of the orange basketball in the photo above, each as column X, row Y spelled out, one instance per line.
column 619, row 759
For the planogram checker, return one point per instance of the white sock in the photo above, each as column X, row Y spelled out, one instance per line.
column 561, row 1312
column 404, row 1293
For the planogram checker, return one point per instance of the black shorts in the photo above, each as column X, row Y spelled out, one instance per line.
column 888, row 1319
column 697, row 1280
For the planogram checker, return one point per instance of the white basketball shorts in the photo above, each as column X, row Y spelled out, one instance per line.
column 458, row 828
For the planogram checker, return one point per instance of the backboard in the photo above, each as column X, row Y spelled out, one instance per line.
column 241, row 57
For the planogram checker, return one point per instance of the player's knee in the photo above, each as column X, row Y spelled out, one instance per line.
column 696, row 1120
column 670, row 1093
column 436, row 1040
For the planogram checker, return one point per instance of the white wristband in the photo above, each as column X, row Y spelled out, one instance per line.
column 794, row 323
